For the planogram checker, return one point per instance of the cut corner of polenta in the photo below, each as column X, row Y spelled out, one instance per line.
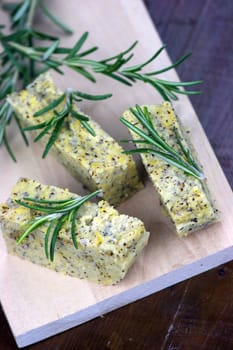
column 108, row 242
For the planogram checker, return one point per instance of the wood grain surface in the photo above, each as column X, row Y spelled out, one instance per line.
column 196, row 314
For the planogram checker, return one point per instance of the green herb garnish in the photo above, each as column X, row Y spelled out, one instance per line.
column 54, row 124
column 58, row 212
column 27, row 52
column 155, row 144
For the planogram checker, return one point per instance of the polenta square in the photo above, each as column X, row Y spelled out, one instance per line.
column 108, row 243
column 98, row 162
column 186, row 198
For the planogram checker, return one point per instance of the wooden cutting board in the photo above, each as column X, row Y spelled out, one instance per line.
column 39, row 303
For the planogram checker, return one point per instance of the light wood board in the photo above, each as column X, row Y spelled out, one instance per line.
column 39, row 303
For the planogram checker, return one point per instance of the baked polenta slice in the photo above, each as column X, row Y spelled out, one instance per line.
column 186, row 199
column 96, row 161
column 108, row 243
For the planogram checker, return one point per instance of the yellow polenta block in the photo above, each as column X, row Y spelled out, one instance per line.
column 108, row 243
column 97, row 162
column 186, row 200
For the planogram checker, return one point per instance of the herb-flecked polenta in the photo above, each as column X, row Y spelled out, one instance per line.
column 108, row 243
column 97, row 162
column 186, row 199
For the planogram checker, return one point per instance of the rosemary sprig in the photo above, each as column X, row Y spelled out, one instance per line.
column 25, row 60
column 155, row 144
column 54, row 124
column 57, row 213
column 113, row 67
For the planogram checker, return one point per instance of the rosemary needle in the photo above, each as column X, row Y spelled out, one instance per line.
column 153, row 143
column 57, row 213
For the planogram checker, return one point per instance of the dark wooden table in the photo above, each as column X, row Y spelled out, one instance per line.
column 198, row 313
